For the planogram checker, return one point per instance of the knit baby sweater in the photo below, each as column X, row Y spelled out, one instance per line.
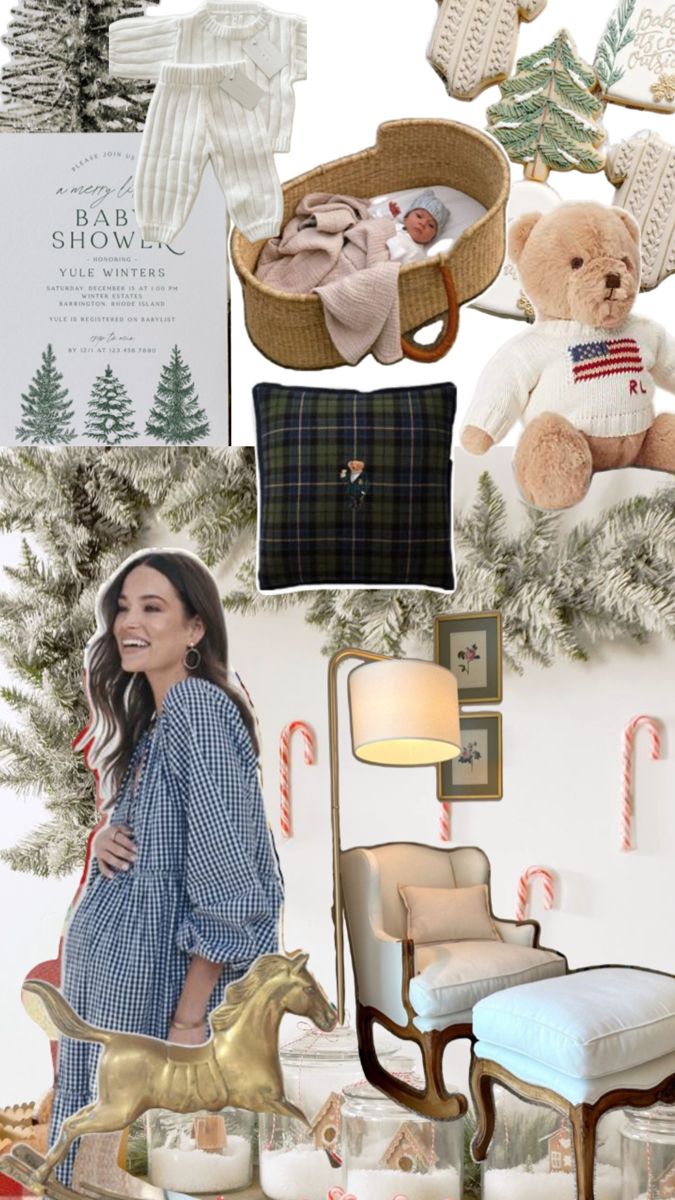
column 602, row 381
column 219, row 33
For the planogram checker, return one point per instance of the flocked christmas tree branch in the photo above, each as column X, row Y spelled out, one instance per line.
column 83, row 510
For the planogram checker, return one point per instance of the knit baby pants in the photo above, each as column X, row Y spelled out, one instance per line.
column 191, row 118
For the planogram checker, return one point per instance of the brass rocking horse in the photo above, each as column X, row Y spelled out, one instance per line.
column 237, row 1067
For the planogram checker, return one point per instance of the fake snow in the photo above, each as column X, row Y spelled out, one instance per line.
column 519, row 1184
column 201, row 1171
column 376, row 1184
column 301, row 1174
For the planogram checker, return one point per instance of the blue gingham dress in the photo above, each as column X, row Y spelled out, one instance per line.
column 206, row 882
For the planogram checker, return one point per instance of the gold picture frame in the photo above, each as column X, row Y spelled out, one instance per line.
column 476, row 774
column 470, row 645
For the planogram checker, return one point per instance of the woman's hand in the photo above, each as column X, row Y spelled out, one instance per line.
column 189, row 1037
column 115, row 849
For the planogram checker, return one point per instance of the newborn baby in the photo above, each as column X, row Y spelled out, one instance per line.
column 422, row 221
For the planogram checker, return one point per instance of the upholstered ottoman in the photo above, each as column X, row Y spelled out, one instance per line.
column 584, row 1043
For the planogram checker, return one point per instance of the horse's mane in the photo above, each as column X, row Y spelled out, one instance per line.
column 243, row 989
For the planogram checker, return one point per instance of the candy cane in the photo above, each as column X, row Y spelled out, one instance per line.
column 444, row 822
column 627, row 808
column 284, row 762
column 524, row 889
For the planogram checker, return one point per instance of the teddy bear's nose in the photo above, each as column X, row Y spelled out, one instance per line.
column 613, row 281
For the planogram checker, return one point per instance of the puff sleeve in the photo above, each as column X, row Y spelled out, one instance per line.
column 139, row 46
column 232, row 880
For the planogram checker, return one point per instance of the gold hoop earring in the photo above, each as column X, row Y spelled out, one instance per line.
column 191, row 658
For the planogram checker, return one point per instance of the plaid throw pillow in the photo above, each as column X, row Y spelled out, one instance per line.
column 354, row 487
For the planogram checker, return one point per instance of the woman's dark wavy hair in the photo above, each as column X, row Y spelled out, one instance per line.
column 122, row 703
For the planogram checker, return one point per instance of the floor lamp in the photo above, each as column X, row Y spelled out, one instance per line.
column 404, row 713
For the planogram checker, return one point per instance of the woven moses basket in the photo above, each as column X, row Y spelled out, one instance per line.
column 289, row 328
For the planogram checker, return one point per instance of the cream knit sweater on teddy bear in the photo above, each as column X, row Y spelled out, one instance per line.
column 602, row 381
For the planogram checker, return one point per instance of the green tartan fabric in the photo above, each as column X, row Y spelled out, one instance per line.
column 354, row 487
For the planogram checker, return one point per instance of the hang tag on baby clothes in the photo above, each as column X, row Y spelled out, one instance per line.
column 241, row 88
column 265, row 55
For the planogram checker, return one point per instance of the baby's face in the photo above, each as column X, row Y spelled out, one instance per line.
column 421, row 226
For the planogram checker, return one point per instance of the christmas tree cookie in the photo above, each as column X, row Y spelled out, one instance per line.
column 635, row 58
column 473, row 44
column 46, row 408
column 642, row 170
column 547, row 120
column 175, row 417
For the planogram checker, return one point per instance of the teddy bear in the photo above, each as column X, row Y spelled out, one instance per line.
column 583, row 377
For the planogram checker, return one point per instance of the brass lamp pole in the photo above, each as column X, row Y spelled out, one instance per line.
column 404, row 713
column 338, row 908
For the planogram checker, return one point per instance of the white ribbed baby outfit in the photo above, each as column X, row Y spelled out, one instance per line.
column 218, row 33
column 192, row 119
column 602, row 381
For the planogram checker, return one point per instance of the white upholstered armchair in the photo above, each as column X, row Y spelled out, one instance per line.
column 425, row 991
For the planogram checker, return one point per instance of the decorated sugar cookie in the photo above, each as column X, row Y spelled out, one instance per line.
column 474, row 42
column 547, row 118
column 635, row 58
column 643, row 171
column 506, row 298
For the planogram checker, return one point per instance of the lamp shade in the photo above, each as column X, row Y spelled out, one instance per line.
column 404, row 712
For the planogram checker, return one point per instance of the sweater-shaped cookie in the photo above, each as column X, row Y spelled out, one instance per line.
column 473, row 44
column 583, row 379
column 643, row 171
column 635, row 58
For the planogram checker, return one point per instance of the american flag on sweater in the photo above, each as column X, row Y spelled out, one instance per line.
column 593, row 360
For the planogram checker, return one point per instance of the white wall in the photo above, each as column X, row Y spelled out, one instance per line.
column 561, row 806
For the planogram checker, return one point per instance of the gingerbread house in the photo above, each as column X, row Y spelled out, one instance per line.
column 325, row 1128
column 409, row 1150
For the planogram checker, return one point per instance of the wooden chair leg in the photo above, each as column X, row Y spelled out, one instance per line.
column 434, row 1101
column 584, row 1122
column 482, row 1086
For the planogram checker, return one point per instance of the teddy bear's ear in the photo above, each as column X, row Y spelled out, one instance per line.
column 519, row 232
column 629, row 221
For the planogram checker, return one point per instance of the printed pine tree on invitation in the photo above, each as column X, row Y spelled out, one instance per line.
column 175, row 417
column 110, row 415
column 57, row 77
column 46, row 409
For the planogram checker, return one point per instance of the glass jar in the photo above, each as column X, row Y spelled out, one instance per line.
column 648, row 1153
column 298, row 1161
column 200, row 1152
column 531, row 1155
column 391, row 1151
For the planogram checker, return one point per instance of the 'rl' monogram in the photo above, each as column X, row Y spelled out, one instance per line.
column 636, row 385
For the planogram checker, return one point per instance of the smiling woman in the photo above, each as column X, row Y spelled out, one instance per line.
column 184, row 890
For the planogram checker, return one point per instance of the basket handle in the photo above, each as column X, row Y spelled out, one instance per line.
column 446, row 338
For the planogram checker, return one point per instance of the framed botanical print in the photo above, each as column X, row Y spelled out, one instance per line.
column 476, row 773
column 470, row 645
